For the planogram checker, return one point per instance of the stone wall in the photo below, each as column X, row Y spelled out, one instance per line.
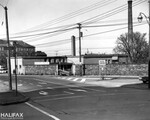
column 115, row 69
column 41, row 70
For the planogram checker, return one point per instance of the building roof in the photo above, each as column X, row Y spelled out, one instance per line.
column 22, row 44
column 103, row 55
column 40, row 57
column 18, row 43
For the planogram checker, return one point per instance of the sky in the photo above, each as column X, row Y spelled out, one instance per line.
column 49, row 24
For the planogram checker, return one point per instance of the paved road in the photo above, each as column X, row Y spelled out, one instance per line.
column 57, row 99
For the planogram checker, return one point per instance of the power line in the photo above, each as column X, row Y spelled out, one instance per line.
column 108, row 25
column 74, row 14
column 44, row 33
column 46, row 29
column 68, row 40
column 110, row 13
column 100, row 14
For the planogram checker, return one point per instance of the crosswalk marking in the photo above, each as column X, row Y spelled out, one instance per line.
column 75, row 79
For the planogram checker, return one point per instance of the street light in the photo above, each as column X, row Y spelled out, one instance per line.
column 8, row 46
column 140, row 18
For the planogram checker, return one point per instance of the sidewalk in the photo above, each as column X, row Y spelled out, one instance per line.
column 108, row 81
column 10, row 97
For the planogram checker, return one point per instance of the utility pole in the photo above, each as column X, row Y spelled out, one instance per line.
column 8, row 46
column 80, row 35
column 16, row 68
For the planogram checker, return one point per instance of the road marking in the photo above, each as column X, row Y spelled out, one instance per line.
column 83, row 80
column 19, row 85
column 56, row 83
column 57, row 95
column 78, row 90
column 68, row 92
column 75, row 79
column 39, row 85
column 43, row 93
column 42, row 83
column 50, row 88
column 94, row 90
column 68, row 97
column 42, row 111
column 69, row 78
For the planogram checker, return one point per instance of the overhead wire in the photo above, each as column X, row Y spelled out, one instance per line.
column 42, row 30
column 112, row 10
column 73, row 14
column 110, row 13
column 68, row 40
column 44, row 33
column 37, row 38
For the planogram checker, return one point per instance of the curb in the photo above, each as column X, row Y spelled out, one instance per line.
column 10, row 97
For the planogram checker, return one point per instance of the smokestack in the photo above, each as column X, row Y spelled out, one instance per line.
column 130, row 21
column 130, row 24
column 73, row 45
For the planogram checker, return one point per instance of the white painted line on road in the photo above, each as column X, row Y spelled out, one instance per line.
column 56, row 95
column 42, row 111
column 75, row 79
column 56, row 83
column 19, row 85
column 78, row 90
column 68, row 92
column 42, row 83
column 69, row 78
column 68, row 97
column 39, row 85
column 94, row 90
column 50, row 88
column 83, row 80
column 43, row 93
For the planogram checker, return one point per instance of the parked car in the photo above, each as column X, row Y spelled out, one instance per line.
column 144, row 79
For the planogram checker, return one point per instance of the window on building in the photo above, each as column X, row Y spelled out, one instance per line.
column 52, row 60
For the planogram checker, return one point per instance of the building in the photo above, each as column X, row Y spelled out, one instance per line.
column 94, row 59
column 22, row 48
column 40, row 65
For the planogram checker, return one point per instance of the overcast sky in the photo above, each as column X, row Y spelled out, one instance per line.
column 49, row 24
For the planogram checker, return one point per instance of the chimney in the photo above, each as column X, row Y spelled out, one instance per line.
column 130, row 21
column 73, row 45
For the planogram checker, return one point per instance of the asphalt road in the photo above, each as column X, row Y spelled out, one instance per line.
column 57, row 99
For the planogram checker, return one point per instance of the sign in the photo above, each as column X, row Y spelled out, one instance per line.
column 115, row 58
column 102, row 62
column 41, row 63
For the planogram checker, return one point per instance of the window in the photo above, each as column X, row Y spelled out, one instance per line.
column 52, row 60
column 57, row 60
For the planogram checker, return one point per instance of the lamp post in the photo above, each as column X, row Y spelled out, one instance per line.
column 140, row 17
column 8, row 46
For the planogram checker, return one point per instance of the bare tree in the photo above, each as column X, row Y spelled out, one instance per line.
column 137, row 49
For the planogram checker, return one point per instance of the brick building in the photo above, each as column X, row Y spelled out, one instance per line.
column 22, row 48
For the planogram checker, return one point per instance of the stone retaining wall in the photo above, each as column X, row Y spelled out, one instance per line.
column 41, row 70
column 117, row 69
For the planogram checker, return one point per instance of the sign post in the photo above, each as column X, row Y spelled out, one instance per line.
column 102, row 64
